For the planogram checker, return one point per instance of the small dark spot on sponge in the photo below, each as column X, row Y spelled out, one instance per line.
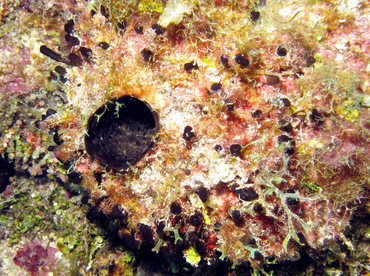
column 235, row 149
column 56, row 138
column 285, row 125
column 202, row 192
column 229, row 106
column 255, row 15
column 235, row 214
column 285, row 102
column 139, row 29
column 281, row 51
column 286, row 139
column 159, row 30
column 175, row 208
column 104, row 11
column 60, row 70
column 224, row 60
column 289, row 143
column 50, row 112
column 147, row 55
column 291, row 201
column 68, row 27
column 310, row 60
column 317, row 117
column 257, row 114
column 242, row 60
column 190, row 66
column 247, row 194
column 74, row 41
column 188, row 133
column 104, row 45
column 216, row 87
column 121, row 26
column 196, row 219
column 86, row 52
column 218, row 148
column 258, row 208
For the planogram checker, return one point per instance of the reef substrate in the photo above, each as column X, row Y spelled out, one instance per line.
column 201, row 134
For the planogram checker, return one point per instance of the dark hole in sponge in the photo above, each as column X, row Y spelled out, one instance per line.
column 121, row 132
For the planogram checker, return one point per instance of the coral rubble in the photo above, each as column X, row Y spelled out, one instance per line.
column 208, row 133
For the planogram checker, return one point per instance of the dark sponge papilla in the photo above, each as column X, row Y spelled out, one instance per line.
column 120, row 133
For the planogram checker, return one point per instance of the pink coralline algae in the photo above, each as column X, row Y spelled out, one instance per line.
column 14, row 61
column 35, row 258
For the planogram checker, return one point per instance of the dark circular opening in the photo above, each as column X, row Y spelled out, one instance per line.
column 121, row 132
column 282, row 51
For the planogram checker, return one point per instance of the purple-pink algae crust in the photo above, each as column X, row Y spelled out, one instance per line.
column 15, row 61
column 35, row 258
